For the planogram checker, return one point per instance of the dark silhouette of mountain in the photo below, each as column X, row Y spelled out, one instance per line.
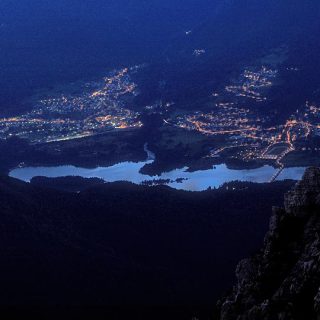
column 282, row 281
column 126, row 246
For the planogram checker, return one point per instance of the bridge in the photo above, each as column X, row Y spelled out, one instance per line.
column 276, row 175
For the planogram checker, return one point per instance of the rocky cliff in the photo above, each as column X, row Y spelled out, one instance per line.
column 282, row 281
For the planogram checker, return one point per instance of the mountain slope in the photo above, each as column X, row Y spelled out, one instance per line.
column 283, row 280
column 126, row 245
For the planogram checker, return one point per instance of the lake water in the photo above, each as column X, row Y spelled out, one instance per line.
column 129, row 171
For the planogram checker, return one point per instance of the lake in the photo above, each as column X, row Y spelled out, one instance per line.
column 192, row 181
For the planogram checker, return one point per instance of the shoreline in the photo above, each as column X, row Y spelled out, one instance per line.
column 178, row 179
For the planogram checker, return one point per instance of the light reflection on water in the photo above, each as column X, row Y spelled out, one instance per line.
column 129, row 171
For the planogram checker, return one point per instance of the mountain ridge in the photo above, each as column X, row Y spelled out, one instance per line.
column 283, row 280
column 122, row 245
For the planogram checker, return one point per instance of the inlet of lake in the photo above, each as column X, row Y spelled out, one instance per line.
column 191, row 181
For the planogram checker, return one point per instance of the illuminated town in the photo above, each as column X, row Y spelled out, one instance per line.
column 252, row 84
column 100, row 107
column 234, row 115
column 248, row 135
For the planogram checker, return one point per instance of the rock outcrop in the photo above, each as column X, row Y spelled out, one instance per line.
column 283, row 280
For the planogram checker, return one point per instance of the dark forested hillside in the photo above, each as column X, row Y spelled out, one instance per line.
column 126, row 245
column 236, row 36
column 47, row 43
column 282, row 280
column 44, row 42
